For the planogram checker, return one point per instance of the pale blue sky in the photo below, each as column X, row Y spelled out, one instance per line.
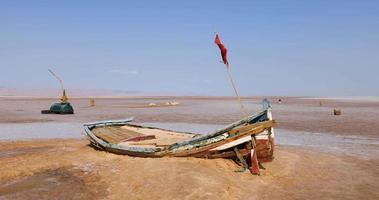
column 277, row 47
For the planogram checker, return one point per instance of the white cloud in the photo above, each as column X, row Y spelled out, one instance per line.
column 124, row 71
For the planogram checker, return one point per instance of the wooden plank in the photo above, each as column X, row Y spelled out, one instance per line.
column 219, row 132
column 232, row 144
column 260, row 126
column 242, row 129
column 225, row 154
column 117, row 131
column 241, row 159
column 126, row 132
column 254, row 166
column 110, row 133
column 108, row 123
column 106, row 135
column 139, row 143
column 140, row 138
column 113, row 135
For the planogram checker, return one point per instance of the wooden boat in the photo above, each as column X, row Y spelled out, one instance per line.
column 250, row 140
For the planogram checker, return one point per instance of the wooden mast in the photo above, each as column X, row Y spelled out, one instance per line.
column 243, row 110
column 64, row 97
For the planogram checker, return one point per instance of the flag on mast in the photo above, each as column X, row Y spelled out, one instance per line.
column 225, row 61
column 223, row 50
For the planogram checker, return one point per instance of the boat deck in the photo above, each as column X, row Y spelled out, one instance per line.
column 129, row 135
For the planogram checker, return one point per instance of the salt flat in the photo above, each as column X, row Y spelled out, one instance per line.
column 318, row 155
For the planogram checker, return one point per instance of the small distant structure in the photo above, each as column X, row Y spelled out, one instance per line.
column 152, row 104
column 64, row 107
column 92, row 102
column 320, row 103
column 337, row 111
column 174, row 103
column 64, row 97
column 279, row 101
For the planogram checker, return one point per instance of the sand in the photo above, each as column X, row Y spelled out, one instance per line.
column 70, row 169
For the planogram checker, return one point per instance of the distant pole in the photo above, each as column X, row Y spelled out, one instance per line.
column 57, row 77
column 243, row 110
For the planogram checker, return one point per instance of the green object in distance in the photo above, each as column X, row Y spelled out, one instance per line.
column 62, row 108
column 59, row 108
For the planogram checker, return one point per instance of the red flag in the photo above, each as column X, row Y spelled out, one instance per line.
column 222, row 49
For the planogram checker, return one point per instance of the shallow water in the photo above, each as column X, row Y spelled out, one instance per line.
column 44, row 130
column 329, row 143
column 347, row 145
column 348, row 98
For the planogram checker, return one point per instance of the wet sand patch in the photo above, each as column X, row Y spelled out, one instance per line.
column 58, row 183
column 22, row 150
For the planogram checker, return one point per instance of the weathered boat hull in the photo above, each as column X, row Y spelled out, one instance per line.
column 249, row 137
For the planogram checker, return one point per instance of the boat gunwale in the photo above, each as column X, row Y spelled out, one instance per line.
column 220, row 131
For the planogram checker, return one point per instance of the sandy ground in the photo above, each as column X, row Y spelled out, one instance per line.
column 70, row 169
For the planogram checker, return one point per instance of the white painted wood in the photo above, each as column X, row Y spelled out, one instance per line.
column 262, row 136
column 232, row 144
column 269, row 115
